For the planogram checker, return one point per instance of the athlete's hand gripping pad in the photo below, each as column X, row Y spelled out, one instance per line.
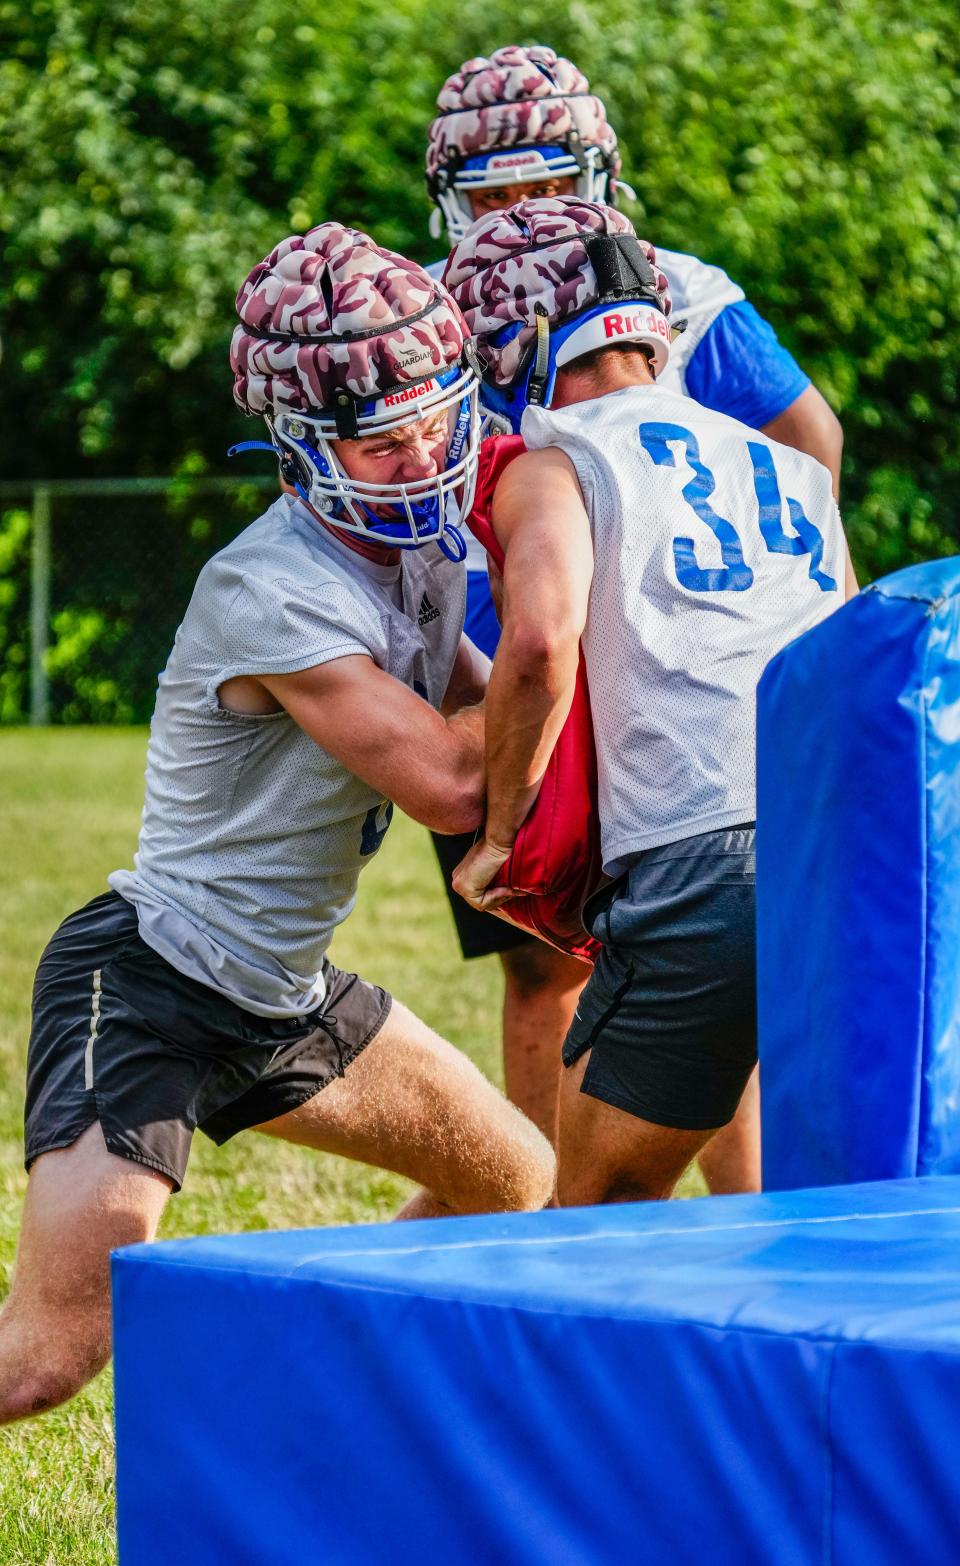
column 858, row 889
column 556, row 862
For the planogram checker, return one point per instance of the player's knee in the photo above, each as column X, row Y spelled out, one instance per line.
column 525, row 1178
column 625, row 1187
column 597, row 1186
column 40, row 1388
column 513, row 1173
column 59, row 1376
column 534, row 1188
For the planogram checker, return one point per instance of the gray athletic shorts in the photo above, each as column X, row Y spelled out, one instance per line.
column 669, row 1014
column 121, row 1037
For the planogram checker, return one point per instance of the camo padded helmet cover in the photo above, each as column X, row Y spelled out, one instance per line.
column 517, row 97
column 533, row 253
column 342, row 313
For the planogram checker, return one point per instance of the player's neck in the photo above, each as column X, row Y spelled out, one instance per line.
column 584, row 385
column 380, row 554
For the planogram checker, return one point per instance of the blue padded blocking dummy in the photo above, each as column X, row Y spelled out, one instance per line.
column 858, row 889
column 749, row 1381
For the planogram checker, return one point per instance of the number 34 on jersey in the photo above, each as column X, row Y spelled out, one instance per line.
column 661, row 442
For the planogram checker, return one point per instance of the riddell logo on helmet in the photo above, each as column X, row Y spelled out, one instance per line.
column 618, row 324
column 518, row 160
column 410, row 395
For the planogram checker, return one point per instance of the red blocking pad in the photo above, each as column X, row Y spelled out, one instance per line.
column 858, row 889
column 745, row 1379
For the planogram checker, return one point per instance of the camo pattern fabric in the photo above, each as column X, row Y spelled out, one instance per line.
column 517, row 97
column 330, row 311
column 533, row 253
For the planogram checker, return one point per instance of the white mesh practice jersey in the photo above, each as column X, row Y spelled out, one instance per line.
column 253, row 836
column 714, row 546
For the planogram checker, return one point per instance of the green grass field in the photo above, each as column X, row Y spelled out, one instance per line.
column 71, row 803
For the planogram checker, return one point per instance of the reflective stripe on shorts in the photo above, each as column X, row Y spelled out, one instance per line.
column 94, row 1024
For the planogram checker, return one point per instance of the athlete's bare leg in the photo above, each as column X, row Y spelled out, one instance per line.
column 607, row 1155
column 81, row 1203
column 414, row 1104
column 542, row 987
column 731, row 1161
column 410, row 1102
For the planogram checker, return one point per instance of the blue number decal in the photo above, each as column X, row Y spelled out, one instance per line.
column 375, row 824
column 808, row 539
column 735, row 575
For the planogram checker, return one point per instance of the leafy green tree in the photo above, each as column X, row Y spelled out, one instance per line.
column 155, row 154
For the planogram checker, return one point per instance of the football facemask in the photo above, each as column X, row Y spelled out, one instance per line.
column 534, row 165
column 398, row 515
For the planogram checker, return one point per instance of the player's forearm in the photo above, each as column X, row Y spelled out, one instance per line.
column 459, row 775
column 528, row 699
column 466, row 732
column 468, row 682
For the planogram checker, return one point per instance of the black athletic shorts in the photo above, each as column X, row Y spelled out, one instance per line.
column 669, row 1015
column 479, row 933
column 122, row 1037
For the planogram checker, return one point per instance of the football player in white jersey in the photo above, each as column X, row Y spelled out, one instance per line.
column 522, row 124
column 685, row 549
column 319, row 675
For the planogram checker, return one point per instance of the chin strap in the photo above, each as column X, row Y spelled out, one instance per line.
column 452, row 544
column 252, row 445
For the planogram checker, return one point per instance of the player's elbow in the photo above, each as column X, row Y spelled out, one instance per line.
column 539, row 653
column 458, row 807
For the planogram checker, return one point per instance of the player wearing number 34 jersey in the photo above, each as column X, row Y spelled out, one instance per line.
column 683, row 549
column 696, row 583
column 523, row 123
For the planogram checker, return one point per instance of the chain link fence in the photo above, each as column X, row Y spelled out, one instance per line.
column 94, row 578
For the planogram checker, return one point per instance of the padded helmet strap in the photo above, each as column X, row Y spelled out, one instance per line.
column 578, row 151
column 537, row 387
column 345, row 415
column 623, row 271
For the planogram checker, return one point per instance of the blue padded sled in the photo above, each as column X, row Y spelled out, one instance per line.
column 749, row 1381
column 858, row 889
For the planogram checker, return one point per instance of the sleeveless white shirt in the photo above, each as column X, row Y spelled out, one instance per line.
column 714, row 546
column 253, row 836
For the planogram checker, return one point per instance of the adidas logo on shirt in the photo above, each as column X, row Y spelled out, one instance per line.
column 427, row 612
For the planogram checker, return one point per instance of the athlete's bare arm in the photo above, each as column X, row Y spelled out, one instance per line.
column 382, row 732
column 810, row 425
column 468, row 678
column 546, row 586
column 851, row 585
